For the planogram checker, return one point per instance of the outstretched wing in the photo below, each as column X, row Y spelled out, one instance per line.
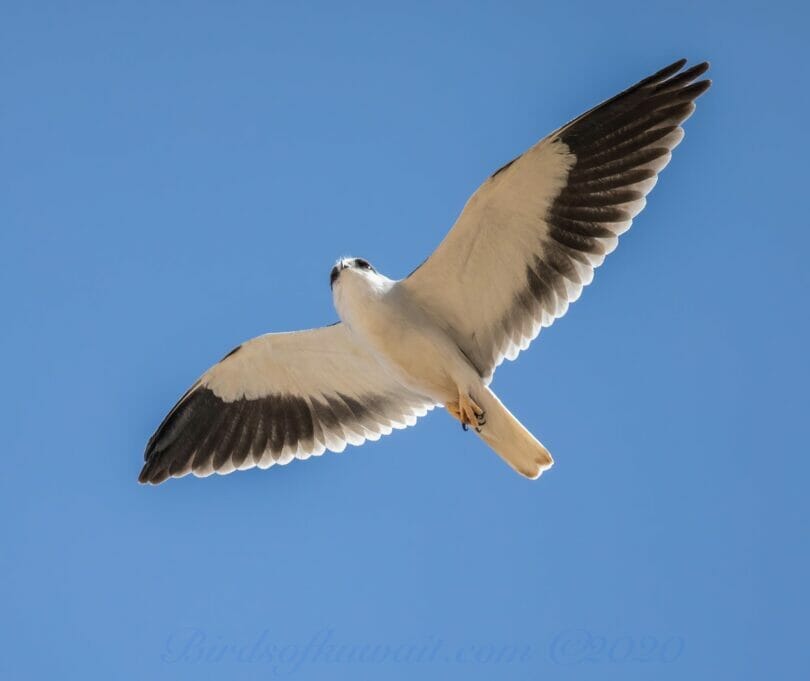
column 531, row 236
column 276, row 398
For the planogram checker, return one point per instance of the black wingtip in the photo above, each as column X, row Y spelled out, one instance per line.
column 697, row 89
column 671, row 80
column 148, row 474
column 670, row 75
column 155, row 469
column 151, row 474
column 667, row 71
column 693, row 72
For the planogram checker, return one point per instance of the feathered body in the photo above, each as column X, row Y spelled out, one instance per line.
column 522, row 250
column 404, row 338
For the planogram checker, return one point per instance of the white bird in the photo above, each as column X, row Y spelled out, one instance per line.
column 522, row 249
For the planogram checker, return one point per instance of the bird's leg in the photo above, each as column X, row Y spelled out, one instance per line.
column 472, row 413
column 467, row 411
column 455, row 412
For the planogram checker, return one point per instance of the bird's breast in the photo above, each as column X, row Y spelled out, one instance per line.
column 404, row 340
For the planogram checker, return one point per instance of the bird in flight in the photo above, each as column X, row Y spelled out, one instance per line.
column 524, row 246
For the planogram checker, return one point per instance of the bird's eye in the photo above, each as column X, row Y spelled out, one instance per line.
column 362, row 264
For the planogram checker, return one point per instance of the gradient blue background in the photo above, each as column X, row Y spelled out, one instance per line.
column 178, row 177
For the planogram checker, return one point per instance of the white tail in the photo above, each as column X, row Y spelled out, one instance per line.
column 510, row 440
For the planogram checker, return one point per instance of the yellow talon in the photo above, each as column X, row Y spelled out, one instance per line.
column 467, row 411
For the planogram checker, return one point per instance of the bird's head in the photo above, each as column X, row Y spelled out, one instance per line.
column 351, row 266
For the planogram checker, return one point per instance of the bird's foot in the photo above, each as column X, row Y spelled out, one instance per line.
column 455, row 412
column 468, row 412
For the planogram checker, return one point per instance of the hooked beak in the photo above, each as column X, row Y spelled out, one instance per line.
column 336, row 270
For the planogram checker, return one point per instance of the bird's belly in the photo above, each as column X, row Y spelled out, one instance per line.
column 417, row 354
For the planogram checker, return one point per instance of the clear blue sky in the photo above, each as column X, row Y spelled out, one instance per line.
column 178, row 177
